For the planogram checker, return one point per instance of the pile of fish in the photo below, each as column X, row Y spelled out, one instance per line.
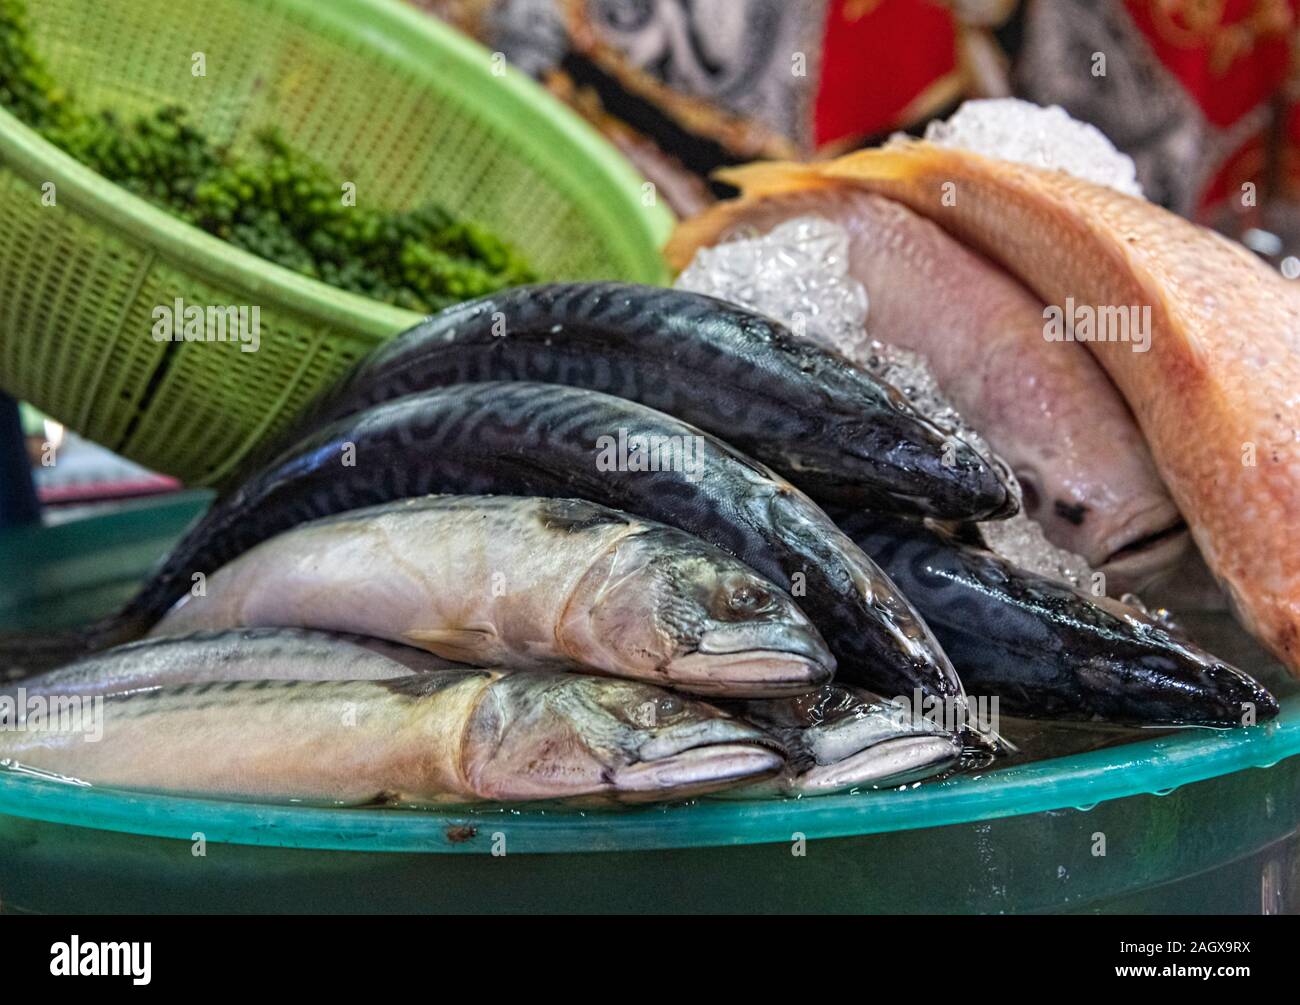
column 602, row 542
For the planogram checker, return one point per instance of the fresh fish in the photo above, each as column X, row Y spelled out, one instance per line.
column 1047, row 408
column 442, row 736
column 1045, row 650
column 1215, row 394
column 525, row 583
column 238, row 654
column 838, row 738
column 547, row 440
column 832, row 429
column 834, row 737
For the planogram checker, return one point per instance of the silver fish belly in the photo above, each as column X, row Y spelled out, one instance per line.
column 430, row 738
column 525, row 583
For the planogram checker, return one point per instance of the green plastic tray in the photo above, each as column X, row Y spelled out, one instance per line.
column 393, row 100
column 1192, row 820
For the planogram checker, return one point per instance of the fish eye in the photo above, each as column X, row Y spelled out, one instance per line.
column 748, row 599
column 652, row 712
column 669, row 706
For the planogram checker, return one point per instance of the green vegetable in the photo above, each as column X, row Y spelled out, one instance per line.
column 273, row 201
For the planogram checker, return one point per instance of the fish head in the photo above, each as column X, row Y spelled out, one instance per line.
column 894, row 459
column 1115, row 513
column 664, row 606
column 899, row 760
column 1169, row 680
column 573, row 737
column 840, row 738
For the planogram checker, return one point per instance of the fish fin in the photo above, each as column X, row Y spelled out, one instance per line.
column 700, row 231
column 756, row 181
column 769, row 177
column 895, row 162
column 478, row 645
column 899, row 162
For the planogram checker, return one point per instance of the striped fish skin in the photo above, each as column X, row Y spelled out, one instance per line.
column 237, row 654
column 528, row 583
column 1048, row 651
column 542, row 440
column 835, row 431
column 431, row 738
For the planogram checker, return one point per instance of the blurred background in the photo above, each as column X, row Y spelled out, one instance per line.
column 1201, row 93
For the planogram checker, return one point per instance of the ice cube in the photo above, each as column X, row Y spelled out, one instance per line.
column 796, row 274
column 1021, row 131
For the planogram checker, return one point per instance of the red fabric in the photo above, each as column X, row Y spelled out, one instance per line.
column 1229, row 60
column 1247, row 163
column 878, row 56
column 1291, row 152
column 1228, row 65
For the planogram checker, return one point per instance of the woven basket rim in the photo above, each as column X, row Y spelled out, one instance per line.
column 400, row 32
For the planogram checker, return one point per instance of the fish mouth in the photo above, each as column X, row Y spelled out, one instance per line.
column 927, row 471
column 674, row 740
column 1180, row 691
column 989, row 495
column 1226, row 694
column 698, row 757
column 1237, row 691
column 743, row 663
column 851, row 734
column 1135, row 565
column 895, row 761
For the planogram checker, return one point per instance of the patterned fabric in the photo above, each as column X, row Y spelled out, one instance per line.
column 1203, row 94
column 1190, row 87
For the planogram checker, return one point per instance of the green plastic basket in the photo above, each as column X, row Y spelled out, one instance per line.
column 394, row 101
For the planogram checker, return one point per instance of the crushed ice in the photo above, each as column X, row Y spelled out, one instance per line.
column 797, row 274
column 1015, row 130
